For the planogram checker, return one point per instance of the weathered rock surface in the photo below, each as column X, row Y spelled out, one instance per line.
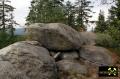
column 55, row 36
column 26, row 60
column 89, row 38
column 70, row 69
column 70, row 55
column 98, row 55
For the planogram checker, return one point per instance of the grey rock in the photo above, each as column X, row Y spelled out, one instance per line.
column 26, row 60
column 73, row 66
column 36, row 43
column 97, row 55
column 89, row 38
column 7, row 71
column 55, row 36
column 70, row 55
column 70, row 69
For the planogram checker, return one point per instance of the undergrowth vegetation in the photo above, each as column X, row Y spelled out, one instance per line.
column 109, row 42
column 6, row 39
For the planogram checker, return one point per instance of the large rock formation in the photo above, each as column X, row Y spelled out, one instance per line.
column 60, row 53
column 26, row 60
column 55, row 36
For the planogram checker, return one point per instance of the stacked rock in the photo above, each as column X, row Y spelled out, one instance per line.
column 53, row 51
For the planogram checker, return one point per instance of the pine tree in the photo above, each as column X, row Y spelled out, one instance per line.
column 83, row 10
column 45, row 11
column 114, row 17
column 6, row 16
column 114, row 21
column 70, row 14
column 101, row 25
column 107, row 1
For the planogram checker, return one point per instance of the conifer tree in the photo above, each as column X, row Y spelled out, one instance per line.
column 83, row 10
column 46, row 11
column 114, row 17
column 114, row 21
column 70, row 14
column 6, row 16
column 101, row 25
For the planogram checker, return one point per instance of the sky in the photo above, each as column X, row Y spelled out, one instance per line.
column 22, row 10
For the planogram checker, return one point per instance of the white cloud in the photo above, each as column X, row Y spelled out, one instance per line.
column 21, row 11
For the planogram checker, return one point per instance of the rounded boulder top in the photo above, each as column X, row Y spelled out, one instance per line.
column 55, row 36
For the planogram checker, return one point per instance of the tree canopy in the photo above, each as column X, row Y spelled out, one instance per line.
column 45, row 11
column 101, row 25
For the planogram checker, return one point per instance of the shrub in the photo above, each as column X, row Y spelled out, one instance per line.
column 114, row 32
column 105, row 40
column 6, row 39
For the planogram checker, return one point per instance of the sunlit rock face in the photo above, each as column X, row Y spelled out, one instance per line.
column 26, row 60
